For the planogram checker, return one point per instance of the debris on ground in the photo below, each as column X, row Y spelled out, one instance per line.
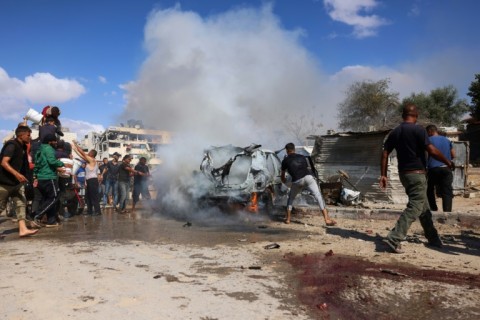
column 272, row 246
column 394, row 273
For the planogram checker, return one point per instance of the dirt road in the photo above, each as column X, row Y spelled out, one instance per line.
column 156, row 267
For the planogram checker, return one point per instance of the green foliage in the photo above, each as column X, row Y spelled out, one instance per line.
column 441, row 106
column 369, row 105
column 474, row 93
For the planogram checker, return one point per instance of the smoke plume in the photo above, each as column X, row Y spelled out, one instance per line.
column 232, row 78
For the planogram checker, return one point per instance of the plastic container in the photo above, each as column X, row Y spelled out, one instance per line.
column 68, row 167
column 33, row 116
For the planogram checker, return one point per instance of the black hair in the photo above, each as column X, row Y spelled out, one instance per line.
column 49, row 138
column 431, row 127
column 22, row 129
column 290, row 146
column 49, row 119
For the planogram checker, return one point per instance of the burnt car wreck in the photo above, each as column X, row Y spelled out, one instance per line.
column 246, row 177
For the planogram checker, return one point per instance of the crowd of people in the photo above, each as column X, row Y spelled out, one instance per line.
column 39, row 178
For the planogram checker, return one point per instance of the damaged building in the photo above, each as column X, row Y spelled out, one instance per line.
column 131, row 139
column 358, row 155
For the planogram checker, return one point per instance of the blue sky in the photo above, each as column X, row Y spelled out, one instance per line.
column 224, row 71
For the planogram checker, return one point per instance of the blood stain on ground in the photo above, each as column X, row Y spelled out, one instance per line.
column 343, row 287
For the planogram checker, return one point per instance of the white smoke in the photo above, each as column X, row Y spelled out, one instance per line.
column 228, row 79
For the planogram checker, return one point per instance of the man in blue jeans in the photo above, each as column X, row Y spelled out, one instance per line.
column 111, row 182
column 411, row 142
column 124, row 174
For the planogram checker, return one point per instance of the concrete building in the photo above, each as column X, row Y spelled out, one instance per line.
column 135, row 140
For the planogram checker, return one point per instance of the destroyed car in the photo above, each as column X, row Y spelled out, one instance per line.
column 247, row 176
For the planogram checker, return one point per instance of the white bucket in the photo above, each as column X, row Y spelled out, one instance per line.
column 76, row 165
column 68, row 167
column 33, row 116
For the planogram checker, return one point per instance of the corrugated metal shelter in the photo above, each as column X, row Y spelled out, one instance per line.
column 359, row 153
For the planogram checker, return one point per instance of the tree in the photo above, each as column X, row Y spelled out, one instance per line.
column 301, row 127
column 474, row 93
column 423, row 102
column 369, row 106
column 441, row 106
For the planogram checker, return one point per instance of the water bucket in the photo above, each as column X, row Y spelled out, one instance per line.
column 33, row 116
column 68, row 167
column 76, row 165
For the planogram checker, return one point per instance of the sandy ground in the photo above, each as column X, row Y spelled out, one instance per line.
column 156, row 267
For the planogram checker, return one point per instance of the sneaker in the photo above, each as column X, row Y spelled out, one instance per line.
column 97, row 214
column 396, row 248
column 52, row 225
column 437, row 243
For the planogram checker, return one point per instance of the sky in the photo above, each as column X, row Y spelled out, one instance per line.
column 217, row 71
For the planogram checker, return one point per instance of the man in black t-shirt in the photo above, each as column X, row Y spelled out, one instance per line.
column 411, row 142
column 13, row 172
column 140, row 182
column 111, row 181
column 297, row 167
column 124, row 173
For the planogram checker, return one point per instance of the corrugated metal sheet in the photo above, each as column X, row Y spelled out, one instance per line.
column 473, row 136
column 461, row 164
column 358, row 154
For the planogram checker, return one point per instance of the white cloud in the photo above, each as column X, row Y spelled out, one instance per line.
column 102, row 79
column 44, row 87
column 422, row 75
column 81, row 128
column 402, row 82
column 110, row 93
column 354, row 13
column 40, row 88
column 5, row 134
column 414, row 10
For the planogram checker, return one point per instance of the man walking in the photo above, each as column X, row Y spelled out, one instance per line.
column 13, row 168
column 440, row 177
column 297, row 167
column 411, row 141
